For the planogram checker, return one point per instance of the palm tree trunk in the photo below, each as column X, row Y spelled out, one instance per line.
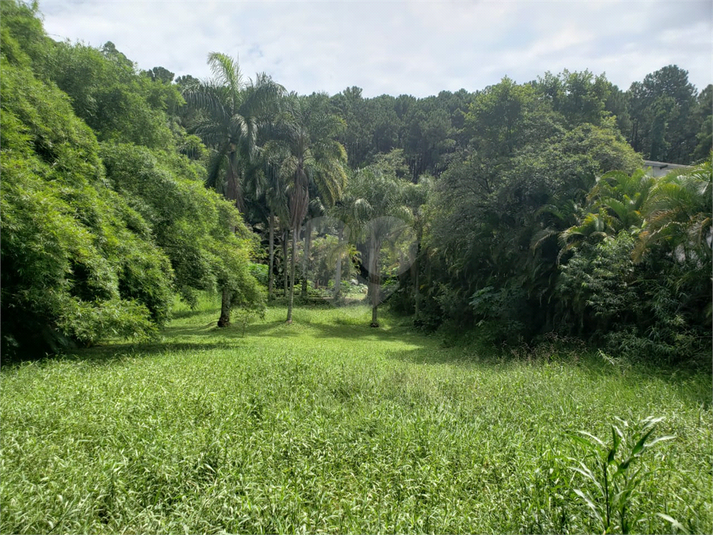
column 305, row 257
column 270, row 273
column 285, row 260
column 416, row 269
column 292, row 276
column 416, row 290
column 374, row 280
column 338, row 273
column 234, row 188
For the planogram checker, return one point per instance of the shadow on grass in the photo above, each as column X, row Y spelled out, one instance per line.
column 692, row 386
column 114, row 352
column 204, row 338
column 183, row 314
column 341, row 329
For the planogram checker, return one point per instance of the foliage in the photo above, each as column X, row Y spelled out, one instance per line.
column 327, row 425
column 191, row 224
column 383, row 219
column 509, row 199
column 665, row 121
column 610, row 472
column 78, row 263
column 233, row 112
column 310, row 160
column 521, row 209
column 98, row 236
column 640, row 272
column 110, row 95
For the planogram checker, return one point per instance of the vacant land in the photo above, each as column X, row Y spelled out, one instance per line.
column 328, row 425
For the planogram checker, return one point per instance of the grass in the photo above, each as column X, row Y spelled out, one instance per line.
column 329, row 425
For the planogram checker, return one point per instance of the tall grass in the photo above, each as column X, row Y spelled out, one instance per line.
column 329, row 425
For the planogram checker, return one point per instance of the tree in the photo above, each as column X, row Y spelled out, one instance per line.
column 678, row 213
column 416, row 198
column 580, row 97
column 350, row 212
column 78, row 263
column 498, row 209
column 97, row 236
column 160, row 74
column 233, row 110
column 111, row 95
column 660, row 109
column 356, row 137
column 307, row 152
column 639, row 273
column 277, row 203
column 190, row 223
column 703, row 116
column 384, row 218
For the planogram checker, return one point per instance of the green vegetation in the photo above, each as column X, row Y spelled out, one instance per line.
column 329, row 425
column 539, row 289
column 101, row 225
column 518, row 211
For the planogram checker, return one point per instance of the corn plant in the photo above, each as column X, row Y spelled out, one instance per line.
column 610, row 470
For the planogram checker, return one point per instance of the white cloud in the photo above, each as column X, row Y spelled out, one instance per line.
column 416, row 47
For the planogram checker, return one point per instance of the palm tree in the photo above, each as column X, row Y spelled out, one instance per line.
column 381, row 196
column 307, row 153
column 233, row 110
column 415, row 197
column 315, row 209
column 614, row 204
column 678, row 213
column 276, row 199
column 350, row 212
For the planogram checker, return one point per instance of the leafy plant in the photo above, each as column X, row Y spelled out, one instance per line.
column 610, row 473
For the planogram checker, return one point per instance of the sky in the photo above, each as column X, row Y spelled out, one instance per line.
column 395, row 47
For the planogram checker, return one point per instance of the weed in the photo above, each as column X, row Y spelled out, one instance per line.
column 612, row 475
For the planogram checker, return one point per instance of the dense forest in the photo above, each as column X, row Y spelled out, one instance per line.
column 514, row 213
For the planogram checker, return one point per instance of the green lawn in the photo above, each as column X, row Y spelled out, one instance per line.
column 329, row 425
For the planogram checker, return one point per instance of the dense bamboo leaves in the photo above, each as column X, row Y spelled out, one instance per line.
column 98, row 236
column 78, row 262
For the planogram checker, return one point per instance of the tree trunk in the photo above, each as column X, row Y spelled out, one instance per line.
column 416, row 266
column 305, row 257
column 285, row 261
column 374, row 280
column 338, row 273
column 234, row 187
column 270, row 273
column 224, row 319
column 292, row 276
column 416, row 290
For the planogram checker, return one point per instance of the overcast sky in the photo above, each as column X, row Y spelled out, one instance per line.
column 400, row 46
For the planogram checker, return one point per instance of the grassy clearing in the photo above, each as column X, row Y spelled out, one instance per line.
column 328, row 425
